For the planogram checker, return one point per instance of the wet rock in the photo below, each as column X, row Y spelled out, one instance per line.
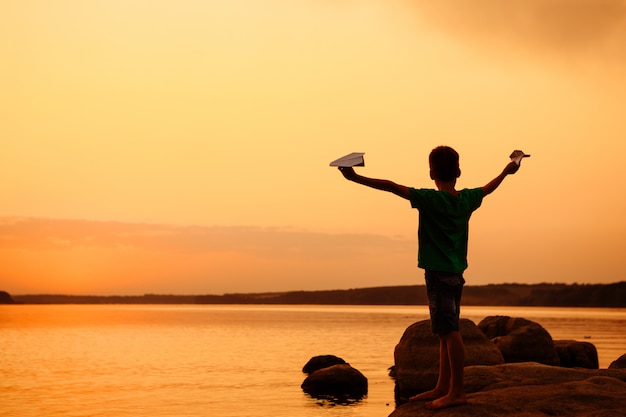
column 336, row 382
column 322, row 361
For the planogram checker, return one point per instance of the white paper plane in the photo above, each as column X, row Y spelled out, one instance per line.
column 354, row 159
column 517, row 156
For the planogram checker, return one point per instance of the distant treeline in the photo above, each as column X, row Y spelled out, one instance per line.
column 557, row 295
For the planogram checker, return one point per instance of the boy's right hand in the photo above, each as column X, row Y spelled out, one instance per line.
column 511, row 168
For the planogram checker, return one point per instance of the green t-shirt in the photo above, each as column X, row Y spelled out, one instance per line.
column 443, row 227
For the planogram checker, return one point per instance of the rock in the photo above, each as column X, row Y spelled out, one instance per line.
column 532, row 389
column 322, row 361
column 339, row 382
column 573, row 354
column 416, row 356
column 619, row 363
column 5, row 298
column 520, row 340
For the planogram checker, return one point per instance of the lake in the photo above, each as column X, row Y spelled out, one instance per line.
column 224, row 360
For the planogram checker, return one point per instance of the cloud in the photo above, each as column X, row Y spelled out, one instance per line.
column 83, row 256
column 63, row 234
column 553, row 28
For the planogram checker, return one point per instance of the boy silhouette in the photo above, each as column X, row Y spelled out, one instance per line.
column 444, row 216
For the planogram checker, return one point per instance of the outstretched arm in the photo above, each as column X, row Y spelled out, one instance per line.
column 511, row 168
column 385, row 185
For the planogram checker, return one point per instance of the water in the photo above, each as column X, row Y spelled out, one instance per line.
column 157, row 361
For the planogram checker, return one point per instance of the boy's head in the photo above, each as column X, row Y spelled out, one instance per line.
column 444, row 164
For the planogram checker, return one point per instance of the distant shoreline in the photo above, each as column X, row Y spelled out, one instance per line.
column 540, row 295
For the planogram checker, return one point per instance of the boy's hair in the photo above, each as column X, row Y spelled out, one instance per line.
column 444, row 164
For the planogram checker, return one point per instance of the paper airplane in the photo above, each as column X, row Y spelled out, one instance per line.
column 517, row 156
column 354, row 159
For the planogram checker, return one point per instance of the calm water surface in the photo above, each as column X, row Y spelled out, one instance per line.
column 157, row 361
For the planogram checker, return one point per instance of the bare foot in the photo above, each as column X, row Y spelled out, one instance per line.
column 428, row 395
column 446, row 402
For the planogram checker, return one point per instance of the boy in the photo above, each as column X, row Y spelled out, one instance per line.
column 442, row 236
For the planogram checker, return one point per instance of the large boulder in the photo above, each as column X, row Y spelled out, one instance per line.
column 416, row 356
column 574, row 354
column 619, row 363
column 531, row 389
column 337, row 382
column 520, row 340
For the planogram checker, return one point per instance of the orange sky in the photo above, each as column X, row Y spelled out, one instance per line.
column 183, row 147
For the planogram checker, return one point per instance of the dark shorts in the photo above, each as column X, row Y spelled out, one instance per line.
column 444, row 300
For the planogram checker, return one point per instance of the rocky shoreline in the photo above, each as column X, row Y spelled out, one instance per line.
column 512, row 368
column 534, row 390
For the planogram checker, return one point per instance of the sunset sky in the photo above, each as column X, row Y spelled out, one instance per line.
column 182, row 147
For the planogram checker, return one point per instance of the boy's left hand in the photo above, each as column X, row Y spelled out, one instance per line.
column 348, row 172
